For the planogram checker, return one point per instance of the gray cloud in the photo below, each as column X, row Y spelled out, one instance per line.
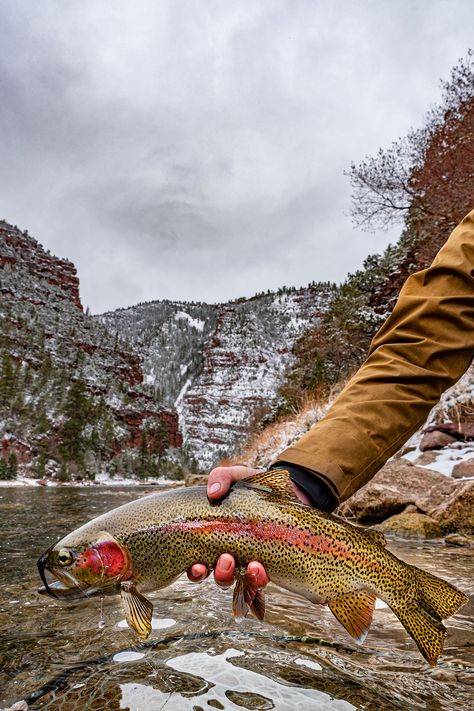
column 195, row 150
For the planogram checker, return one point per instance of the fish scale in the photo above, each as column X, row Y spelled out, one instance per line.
column 147, row 544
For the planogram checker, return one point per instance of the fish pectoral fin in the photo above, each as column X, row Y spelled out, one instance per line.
column 355, row 612
column 138, row 610
column 247, row 597
column 275, row 480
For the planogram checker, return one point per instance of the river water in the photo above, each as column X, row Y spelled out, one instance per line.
column 199, row 658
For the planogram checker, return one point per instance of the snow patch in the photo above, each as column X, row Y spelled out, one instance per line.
column 193, row 322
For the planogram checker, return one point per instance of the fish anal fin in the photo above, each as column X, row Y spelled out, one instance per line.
column 355, row 612
column 248, row 597
column 275, row 480
column 137, row 609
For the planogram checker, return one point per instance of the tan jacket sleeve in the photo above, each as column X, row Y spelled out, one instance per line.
column 424, row 347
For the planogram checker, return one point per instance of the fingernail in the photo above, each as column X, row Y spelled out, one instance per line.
column 214, row 488
column 226, row 565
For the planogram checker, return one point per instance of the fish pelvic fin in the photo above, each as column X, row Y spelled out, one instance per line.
column 247, row 597
column 355, row 612
column 275, row 480
column 435, row 600
column 137, row 609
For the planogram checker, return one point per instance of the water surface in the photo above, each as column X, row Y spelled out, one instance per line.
column 199, row 657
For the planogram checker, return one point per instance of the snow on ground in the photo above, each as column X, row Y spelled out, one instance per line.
column 194, row 322
column 182, row 393
column 22, row 481
column 459, row 396
column 444, row 459
column 102, row 479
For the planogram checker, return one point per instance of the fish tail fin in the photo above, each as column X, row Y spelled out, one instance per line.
column 438, row 596
column 426, row 629
column 422, row 617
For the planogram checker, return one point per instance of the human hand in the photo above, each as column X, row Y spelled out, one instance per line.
column 219, row 482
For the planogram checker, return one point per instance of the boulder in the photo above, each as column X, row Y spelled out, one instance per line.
column 436, row 495
column 463, row 469
column 416, row 526
column 397, row 485
column 435, row 440
column 456, row 511
column 460, row 429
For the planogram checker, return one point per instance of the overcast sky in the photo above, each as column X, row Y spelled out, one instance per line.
column 196, row 150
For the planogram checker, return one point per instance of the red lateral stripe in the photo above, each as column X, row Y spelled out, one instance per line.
column 267, row 531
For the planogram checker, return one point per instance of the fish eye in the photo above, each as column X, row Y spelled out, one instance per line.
column 64, row 557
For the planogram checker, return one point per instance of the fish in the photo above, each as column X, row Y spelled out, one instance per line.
column 148, row 543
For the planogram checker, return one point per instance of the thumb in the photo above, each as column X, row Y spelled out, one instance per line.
column 221, row 479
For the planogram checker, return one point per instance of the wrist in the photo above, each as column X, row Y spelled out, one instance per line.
column 311, row 484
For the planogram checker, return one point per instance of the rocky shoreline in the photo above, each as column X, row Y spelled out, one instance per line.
column 414, row 502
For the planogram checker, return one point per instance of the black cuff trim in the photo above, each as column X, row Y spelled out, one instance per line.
column 314, row 486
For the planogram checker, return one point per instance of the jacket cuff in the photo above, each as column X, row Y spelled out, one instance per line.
column 315, row 488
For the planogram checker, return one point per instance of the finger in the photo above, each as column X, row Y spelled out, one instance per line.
column 224, row 570
column 301, row 494
column 197, row 573
column 221, row 479
column 256, row 571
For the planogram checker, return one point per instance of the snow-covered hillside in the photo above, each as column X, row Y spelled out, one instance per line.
column 219, row 365
column 71, row 393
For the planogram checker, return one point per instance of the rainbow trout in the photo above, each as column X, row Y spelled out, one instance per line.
column 147, row 544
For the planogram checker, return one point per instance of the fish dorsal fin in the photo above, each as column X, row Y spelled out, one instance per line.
column 138, row 610
column 275, row 480
column 247, row 597
column 355, row 612
column 376, row 536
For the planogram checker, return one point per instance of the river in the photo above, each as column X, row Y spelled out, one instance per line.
column 199, row 657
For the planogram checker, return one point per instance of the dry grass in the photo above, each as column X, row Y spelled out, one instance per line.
column 264, row 447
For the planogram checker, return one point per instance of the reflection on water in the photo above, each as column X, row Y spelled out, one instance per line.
column 188, row 668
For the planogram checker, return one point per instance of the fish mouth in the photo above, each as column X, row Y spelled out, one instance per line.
column 65, row 585
column 47, row 590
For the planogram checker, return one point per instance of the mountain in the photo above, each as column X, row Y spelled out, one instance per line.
column 72, row 396
column 219, row 365
column 117, row 392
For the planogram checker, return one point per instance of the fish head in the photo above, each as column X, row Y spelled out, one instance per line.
column 85, row 568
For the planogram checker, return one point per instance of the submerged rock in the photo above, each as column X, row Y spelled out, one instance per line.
column 411, row 525
column 457, row 539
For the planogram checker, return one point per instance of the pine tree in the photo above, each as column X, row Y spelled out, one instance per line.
column 12, row 466
column 78, row 412
column 7, row 380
